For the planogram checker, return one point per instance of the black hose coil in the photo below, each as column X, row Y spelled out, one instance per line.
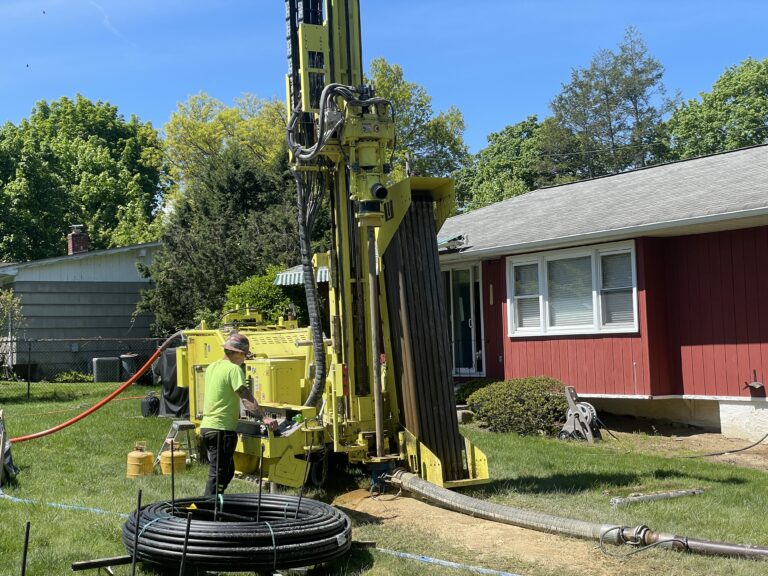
column 283, row 537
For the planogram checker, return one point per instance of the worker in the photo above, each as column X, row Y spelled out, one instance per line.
column 224, row 389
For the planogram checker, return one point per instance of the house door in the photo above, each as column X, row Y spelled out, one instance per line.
column 462, row 289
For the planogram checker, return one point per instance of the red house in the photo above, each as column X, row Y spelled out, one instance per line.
column 647, row 290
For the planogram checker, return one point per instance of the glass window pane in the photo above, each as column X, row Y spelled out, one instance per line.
column 527, row 280
column 528, row 312
column 617, row 307
column 570, row 291
column 617, row 270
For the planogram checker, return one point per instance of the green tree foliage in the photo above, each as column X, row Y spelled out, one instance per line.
column 261, row 293
column 433, row 143
column 11, row 313
column 614, row 108
column 607, row 118
column 520, row 158
column 232, row 215
column 734, row 114
column 78, row 162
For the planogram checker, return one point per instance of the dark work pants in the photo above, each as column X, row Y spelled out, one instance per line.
column 224, row 459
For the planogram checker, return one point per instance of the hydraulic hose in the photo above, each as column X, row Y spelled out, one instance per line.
column 289, row 534
column 105, row 400
column 532, row 520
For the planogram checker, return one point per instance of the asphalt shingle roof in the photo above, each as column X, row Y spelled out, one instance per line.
column 728, row 185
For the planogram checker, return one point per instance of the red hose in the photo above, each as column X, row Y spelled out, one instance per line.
column 103, row 401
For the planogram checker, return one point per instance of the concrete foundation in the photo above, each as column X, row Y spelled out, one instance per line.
column 744, row 419
column 701, row 413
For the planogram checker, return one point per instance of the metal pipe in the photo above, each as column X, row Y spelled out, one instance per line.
column 306, row 473
column 136, row 535
column 218, row 462
column 638, row 536
column 373, row 296
column 261, row 481
column 173, row 478
column 186, row 541
column 26, row 547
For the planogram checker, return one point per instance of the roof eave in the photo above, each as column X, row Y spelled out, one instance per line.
column 602, row 235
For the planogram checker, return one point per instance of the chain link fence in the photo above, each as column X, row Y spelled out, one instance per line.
column 28, row 366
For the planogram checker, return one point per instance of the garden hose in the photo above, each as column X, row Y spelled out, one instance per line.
column 103, row 401
column 289, row 534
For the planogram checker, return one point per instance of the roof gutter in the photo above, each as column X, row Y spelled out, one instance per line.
column 600, row 236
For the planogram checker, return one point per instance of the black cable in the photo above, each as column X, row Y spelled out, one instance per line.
column 728, row 451
column 319, row 533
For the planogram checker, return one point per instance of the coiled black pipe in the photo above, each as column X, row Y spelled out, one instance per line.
column 288, row 534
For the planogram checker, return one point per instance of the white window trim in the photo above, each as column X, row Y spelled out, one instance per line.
column 541, row 258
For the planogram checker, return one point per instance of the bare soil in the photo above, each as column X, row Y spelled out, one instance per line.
column 678, row 440
column 484, row 538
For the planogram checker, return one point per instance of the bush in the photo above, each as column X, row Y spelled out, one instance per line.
column 527, row 406
column 70, row 376
column 261, row 293
column 465, row 390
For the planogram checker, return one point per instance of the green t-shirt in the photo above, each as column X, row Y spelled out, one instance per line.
column 222, row 403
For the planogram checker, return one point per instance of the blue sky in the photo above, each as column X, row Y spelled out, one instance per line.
column 498, row 61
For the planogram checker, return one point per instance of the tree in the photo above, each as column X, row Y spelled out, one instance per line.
column 615, row 108
column 11, row 321
column 733, row 115
column 433, row 143
column 520, row 158
column 78, row 162
column 232, row 214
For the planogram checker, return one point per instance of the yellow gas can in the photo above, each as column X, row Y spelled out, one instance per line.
column 179, row 460
column 140, row 462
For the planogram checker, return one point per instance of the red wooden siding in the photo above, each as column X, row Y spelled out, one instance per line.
column 494, row 294
column 594, row 364
column 703, row 324
column 716, row 311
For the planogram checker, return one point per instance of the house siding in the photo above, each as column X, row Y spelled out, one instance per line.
column 82, row 309
column 495, row 294
column 616, row 364
column 702, row 318
column 716, row 310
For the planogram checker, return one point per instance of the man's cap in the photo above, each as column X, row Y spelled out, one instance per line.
column 237, row 343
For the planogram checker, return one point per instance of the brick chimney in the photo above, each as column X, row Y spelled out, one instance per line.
column 77, row 240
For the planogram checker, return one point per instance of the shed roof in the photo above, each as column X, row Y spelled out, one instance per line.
column 720, row 191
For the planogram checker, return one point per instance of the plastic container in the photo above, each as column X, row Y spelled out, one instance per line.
column 179, row 460
column 140, row 462
column 128, row 363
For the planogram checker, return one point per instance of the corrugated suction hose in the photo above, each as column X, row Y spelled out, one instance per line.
column 532, row 520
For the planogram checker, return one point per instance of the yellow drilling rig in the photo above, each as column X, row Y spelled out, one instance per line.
column 378, row 386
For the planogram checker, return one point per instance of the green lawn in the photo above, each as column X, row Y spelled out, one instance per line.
column 85, row 465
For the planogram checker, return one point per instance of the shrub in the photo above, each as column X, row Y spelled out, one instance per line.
column 69, row 376
column 261, row 293
column 465, row 390
column 527, row 406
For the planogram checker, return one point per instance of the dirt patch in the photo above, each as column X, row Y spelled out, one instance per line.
column 492, row 540
column 482, row 537
column 675, row 440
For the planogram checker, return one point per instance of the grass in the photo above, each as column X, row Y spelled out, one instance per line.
column 85, row 465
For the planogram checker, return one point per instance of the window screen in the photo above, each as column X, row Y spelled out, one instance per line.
column 569, row 284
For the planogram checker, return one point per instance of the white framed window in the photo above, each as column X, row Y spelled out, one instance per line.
column 576, row 291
